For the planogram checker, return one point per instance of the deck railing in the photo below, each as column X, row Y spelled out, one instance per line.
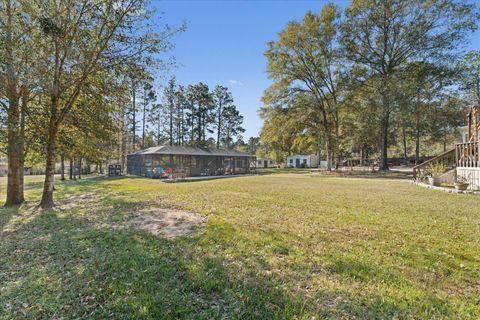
column 446, row 159
column 468, row 154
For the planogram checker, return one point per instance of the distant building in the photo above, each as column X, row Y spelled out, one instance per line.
column 303, row 161
column 190, row 161
column 265, row 163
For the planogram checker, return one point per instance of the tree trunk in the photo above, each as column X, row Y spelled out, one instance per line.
column 405, row 151
column 192, row 125
column 134, row 124
column 15, row 195
column 417, row 146
column 182, row 126
column 362, row 156
column 80, row 168
column 444, row 139
column 143, row 118
column 71, row 169
column 15, row 139
column 158, row 131
column 219, row 125
column 74, row 169
column 329, row 154
column 337, row 145
column 123, row 156
column 199, row 128
column 21, row 142
column 171, row 122
column 385, row 122
column 62, row 167
column 48, row 186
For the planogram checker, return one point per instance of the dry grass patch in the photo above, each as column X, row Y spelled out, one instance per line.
column 168, row 223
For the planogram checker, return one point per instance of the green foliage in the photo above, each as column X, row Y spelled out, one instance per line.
column 469, row 75
column 435, row 169
column 305, row 65
column 196, row 116
column 390, row 85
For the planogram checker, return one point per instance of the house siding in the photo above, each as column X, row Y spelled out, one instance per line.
column 296, row 161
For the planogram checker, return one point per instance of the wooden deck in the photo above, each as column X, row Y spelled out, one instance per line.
column 468, row 154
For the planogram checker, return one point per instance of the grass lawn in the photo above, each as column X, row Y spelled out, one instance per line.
column 277, row 246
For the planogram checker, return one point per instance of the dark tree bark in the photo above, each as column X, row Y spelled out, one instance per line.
column 405, row 151
column 48, row 187
column 71, row 169
column 219, row 130
column 22, row 147
column 417, row 146
column 74, row 168
column 62, row 167
column 15, row 132
column 15, row 194
column 362, row 156
column 80, row 168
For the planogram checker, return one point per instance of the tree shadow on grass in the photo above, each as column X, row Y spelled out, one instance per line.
column 5, row 215
column 70, row 269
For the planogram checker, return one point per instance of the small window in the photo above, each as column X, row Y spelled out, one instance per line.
column 291, row 160
column 305, row 161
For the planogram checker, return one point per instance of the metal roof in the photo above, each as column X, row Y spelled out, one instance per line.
column 193, row 151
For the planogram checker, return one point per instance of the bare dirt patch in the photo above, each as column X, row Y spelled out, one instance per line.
column 78, row 201
column 167, row 222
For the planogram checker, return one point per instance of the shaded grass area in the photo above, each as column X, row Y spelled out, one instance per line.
column 283, row 246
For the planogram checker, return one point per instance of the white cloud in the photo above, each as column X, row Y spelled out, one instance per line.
column 236, row 82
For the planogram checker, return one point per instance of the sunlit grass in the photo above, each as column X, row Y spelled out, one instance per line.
column 280, row 246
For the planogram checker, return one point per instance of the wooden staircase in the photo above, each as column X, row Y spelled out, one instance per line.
column 465, row 154
column 422, row 171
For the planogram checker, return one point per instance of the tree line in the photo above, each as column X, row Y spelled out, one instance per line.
column 192, row 115
column 77, row 84
column 370, row 79
column 70, row 72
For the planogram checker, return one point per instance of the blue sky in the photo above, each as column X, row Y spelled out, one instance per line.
column 225, row 41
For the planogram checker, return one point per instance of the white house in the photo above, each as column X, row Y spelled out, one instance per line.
column 265, row 163
column 303, row 161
